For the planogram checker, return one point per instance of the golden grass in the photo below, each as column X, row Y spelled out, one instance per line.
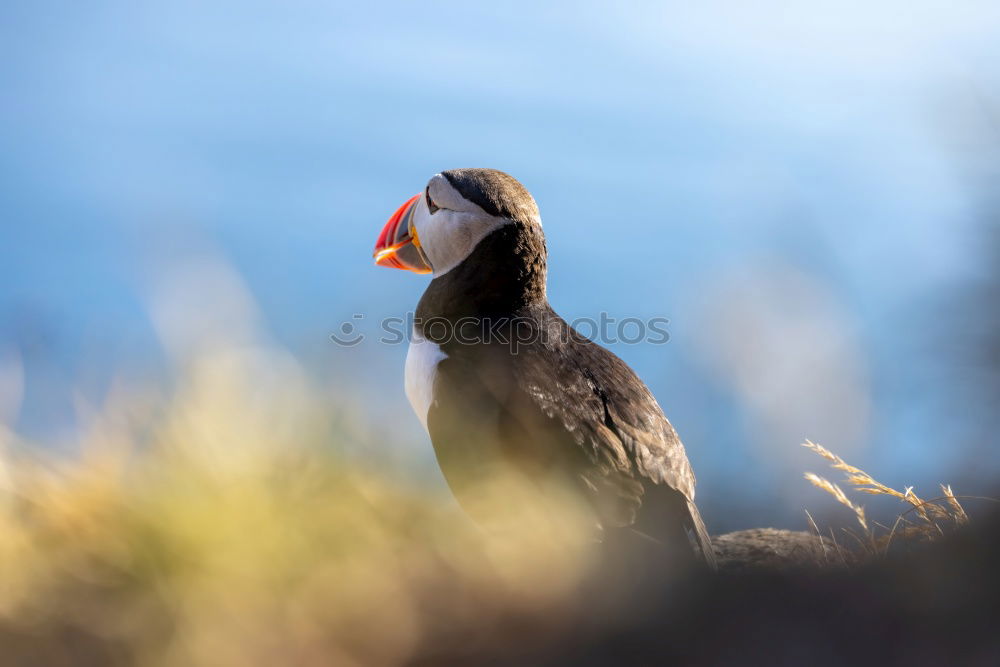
column 220, row 526
column 924, row 519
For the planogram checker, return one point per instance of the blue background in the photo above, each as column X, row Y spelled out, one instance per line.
column 792, row 185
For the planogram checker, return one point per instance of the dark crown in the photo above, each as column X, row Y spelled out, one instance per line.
column 495, row 192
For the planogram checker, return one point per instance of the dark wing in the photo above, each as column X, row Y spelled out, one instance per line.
column 563, row 401
column 607, row 407
column 617, row 421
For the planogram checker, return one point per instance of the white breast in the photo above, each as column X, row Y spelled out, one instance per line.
column 421, row 366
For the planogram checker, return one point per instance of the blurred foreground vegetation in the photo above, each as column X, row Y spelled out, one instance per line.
column 219, row 525
column 223, row 522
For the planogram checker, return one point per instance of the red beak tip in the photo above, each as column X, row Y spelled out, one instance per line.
column 393, row 239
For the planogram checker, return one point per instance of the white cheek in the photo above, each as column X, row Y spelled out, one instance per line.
column 422, row 359
column 445, row 240
column 448, row 237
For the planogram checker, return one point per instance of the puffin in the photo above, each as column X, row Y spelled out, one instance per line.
column 502, row 382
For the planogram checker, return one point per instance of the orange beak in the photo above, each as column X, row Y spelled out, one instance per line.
column 398, row 246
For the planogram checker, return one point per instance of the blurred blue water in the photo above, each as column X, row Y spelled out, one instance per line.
column 676, row 153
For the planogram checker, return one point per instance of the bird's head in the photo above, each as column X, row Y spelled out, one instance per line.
column 432, row 232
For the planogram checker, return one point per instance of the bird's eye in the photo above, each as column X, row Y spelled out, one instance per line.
column 434, row 208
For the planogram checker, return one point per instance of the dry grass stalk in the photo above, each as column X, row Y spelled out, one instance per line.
column 819, row 536
column 930, row 514
column 957, row 509
column 839, row 494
